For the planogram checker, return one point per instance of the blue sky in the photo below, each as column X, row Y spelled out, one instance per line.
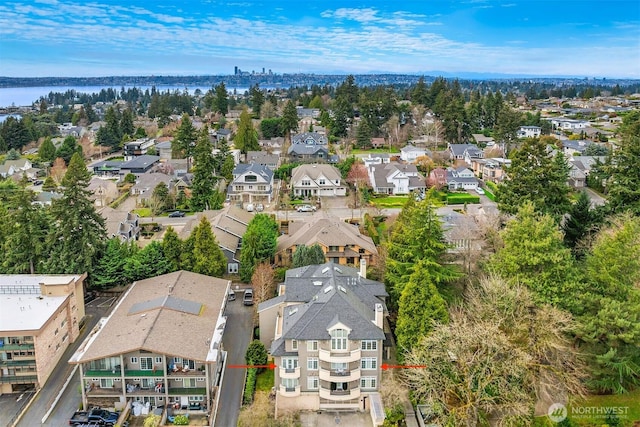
column 176, row 37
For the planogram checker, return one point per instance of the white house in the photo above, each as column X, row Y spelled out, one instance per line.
column 410, row 153
column 395, row 178
column 461, row 179
column 316, row 180
column 529, row 132
column 251, row 183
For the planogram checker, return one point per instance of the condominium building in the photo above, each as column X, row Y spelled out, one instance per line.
column 39, row 318
column 161, row 345
column 326, row 332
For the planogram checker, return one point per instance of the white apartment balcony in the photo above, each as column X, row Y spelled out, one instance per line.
column 337, row 357
column 339, row 375
column 339, row 395
column 289, row 391
column 289, row 372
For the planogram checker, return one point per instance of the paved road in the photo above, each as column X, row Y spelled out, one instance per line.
column 236, row 339
column 596, row 199
column 71, row 398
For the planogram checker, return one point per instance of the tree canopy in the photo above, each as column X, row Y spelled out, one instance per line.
column 258, row 244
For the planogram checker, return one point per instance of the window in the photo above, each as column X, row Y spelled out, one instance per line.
column 290, row 384
column 134, row 360
column 146, row 363
column 294, row 344
column 106, row 383
column 250, row 178
column 64, row 337
column 239, row 187
column 262, row 188
column 321, row 181
column 312, row 383
column 177, row 360
column 158, row 359
column 369, row 345
column 232, row 268
column 290, row 363
column 312, row 345
column 312, row 364
column 369, row 363
column 189, row 382
column 338, row 339
column 368, row 382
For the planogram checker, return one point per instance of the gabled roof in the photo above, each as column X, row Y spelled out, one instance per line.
column 326, row 231
column 159, row 315
column 315, row 171
column 303, row 138
column 304, row 149
column 262, row 170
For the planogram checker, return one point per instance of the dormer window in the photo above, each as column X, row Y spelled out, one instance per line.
column 250, row 178
column 339, row 339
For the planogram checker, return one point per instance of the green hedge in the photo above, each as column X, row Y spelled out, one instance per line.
column 462, row 198
column 492, row 186
column 489, row 194
column 249, row 386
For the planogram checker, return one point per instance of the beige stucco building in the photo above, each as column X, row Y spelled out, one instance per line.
column 39, row 317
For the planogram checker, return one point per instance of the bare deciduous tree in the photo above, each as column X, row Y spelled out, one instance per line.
column 263, row 280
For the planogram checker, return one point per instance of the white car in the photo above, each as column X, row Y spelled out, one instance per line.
column 479, row 190
column 306, row 208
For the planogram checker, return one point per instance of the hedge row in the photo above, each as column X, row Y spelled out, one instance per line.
column 461, row 198
column 250, row 386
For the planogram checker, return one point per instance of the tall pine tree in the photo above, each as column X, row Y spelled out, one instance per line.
column 203, row 185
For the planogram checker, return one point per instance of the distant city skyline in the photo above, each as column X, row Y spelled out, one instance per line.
column 59, row 38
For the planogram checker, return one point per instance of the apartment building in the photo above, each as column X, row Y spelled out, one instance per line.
column 326, row 332
column 161, row 345
column 40, row 317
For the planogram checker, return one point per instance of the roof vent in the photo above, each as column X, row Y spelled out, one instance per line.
column 337, row 269
column 293, row 311
column 328, row 289
column 342, row 289
column 324, row 270
column 317, row 283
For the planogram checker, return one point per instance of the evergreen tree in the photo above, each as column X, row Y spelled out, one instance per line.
column 110, row 269
column 221, row 100
column 68, row 148
column 47, row 151
column 208, row 258
column 49, row 184
column 186, row 135
column 172, row 248
column 24, row 243
column 308, row 255
column 420, row 308
column 246, row 138
column 146, row 263
column 623, row 186
column 419, row 93
column 258, row 244
column 126, row 123
column 508, row 122
column 363, row 136
column 78, row 230
column 257, row 99
column 536, row 177
column 202, row 187
column 289, row 121
column 160, row 199
column 580, row 221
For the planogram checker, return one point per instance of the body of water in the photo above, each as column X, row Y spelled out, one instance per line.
column 26, row 96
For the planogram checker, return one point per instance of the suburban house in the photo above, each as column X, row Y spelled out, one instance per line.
column 19, row 166
column 562, row 123
column 103, row 191
column 160, row 345
column 410, row 153
column 146, row 183
column 529, row 132
column 572, row 147
column 464, row 153
column 126, row 227
column 316, row 180
column 219, row 134
column 378, row 142
column 68, row 129
column 137, row 148
column 376, row 159
column 341, row 242
column 46, row 198
column 273, row 145
column 313, row 113
column 119, row 169
column 251, row 183
column 164, row 150
column 483, row 140
column 490, row 169
column 308, row 147
column 228, row 226
column 40, row 318
column 264, row 158
column 395, row 178
column 461, row 179
column 326, row 332
column 577, row 176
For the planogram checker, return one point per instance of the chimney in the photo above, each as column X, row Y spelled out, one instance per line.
column 379, row 319
column 363, row 268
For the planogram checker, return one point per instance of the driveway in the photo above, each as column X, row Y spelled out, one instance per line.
column 235, row 341
column 71, row 397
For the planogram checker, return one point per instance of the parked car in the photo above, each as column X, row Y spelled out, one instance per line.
column 250, row 207
column 232, row 295
column 259, row 207
column 38, row 182
column 176, row 214
column 247, row 298
column 306, row 208
column 479, row 190
column 94, row 416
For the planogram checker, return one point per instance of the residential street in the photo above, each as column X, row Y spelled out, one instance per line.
column 235, row 341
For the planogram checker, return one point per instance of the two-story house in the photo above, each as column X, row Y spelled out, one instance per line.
column 160, row 345
column 326, row 332
column 19, row 166
column 490, row 169
column 40, row 318
column 137, row 148
column 461, row 179
column 529, row 132
column 410, row 153
column 341, row 242
column 395, row 178
column 308, row 147
column 264, row 158
column 464, row 153
column 315, row 180
column 251, row 183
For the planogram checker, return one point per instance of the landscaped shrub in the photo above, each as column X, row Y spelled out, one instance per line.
column 462, row 198
column 181, row 420
column 249, row 386
column 256, row 353
column 492, row 186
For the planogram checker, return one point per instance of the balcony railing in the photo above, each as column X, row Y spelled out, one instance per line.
column 339, row 394
column 339, row 357
column 18, row 379
column 105, row 391
column 339, row 375
column 18, row 362
column 289, row 391
column 289, row 372
column 21, row 346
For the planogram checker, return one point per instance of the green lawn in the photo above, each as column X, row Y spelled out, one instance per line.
column 390, row 201
column 375, row 150
column 264, row 382
column 143, row 212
